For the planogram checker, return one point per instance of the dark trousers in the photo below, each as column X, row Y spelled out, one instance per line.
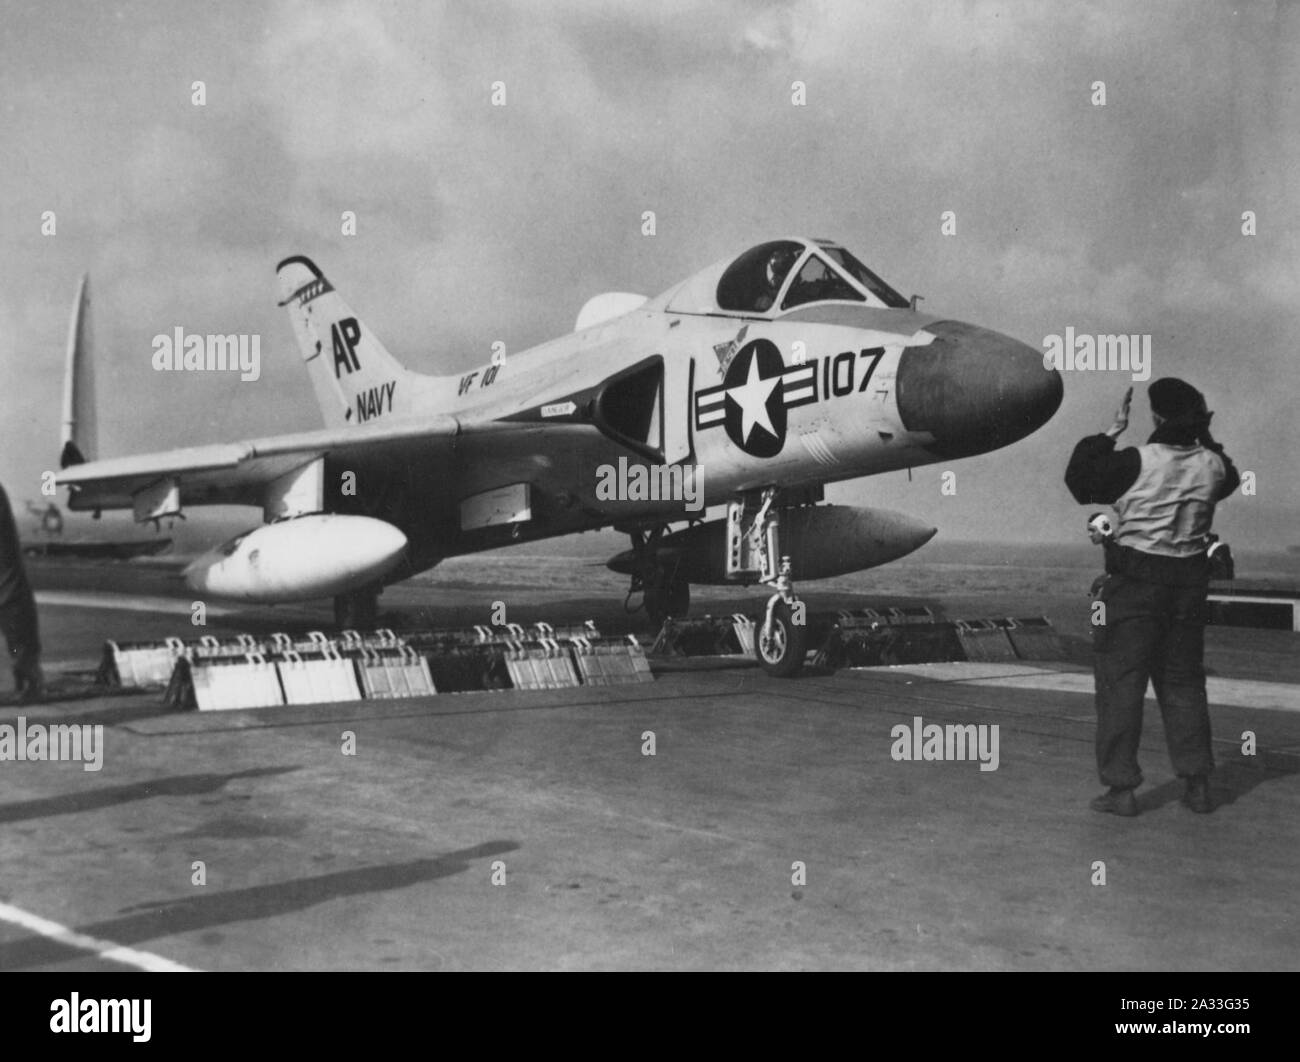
column 1152, row 633
column 17, row 605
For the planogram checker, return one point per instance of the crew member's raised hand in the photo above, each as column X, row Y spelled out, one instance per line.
column 1121, row 418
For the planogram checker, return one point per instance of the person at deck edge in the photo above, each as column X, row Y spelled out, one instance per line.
column 18, row 610
column 1153, row 626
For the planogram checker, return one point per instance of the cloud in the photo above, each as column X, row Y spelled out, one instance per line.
column 342, row 83
column 1273, row 272
column 771, row 31
column 478, row 223
column 171, row 169
column 1190, row 285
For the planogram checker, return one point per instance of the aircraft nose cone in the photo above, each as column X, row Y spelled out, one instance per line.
column 974, row 390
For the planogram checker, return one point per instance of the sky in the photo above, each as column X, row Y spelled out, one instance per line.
column 477, row 223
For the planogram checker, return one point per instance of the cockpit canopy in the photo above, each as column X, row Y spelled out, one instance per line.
column 782, row 275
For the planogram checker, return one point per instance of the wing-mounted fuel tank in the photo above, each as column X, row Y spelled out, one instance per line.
column 321, row 555
column 821, row 540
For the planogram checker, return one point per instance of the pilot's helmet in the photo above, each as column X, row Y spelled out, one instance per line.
column 1099, row 524
column 778, row 265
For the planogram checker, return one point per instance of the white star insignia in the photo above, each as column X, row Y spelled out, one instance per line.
column 751, row 397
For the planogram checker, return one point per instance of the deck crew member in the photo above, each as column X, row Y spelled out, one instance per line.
column 18, row 610
column 1153, row 624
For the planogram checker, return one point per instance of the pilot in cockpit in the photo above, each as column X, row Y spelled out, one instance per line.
column 779, row 263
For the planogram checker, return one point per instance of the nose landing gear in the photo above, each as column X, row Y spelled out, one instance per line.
column 781, row 643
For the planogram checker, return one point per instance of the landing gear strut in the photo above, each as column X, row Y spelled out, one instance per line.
column 781, row 643
column 358, row 610
column 673, row 598
column 665, row 593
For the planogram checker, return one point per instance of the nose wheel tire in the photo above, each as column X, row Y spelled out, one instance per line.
column 781, row 646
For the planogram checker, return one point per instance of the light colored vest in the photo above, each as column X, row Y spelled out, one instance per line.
column 1169, row 509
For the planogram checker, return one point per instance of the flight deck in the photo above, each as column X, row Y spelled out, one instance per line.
column 716, row 818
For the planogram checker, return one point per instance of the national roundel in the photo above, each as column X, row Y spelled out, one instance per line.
column 755, row 403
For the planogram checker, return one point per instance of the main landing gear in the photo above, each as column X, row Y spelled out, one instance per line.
column 754, row 548
column 358, row 611
column 664, row 593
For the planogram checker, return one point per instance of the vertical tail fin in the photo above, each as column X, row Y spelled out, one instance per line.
column 354, row 377
column 78, row 442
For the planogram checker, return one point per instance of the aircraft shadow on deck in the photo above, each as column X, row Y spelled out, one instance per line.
column 113, row 796
column 210, row 909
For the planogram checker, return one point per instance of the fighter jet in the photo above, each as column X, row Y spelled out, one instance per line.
column 750, row 385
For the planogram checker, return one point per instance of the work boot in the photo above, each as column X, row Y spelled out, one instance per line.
column 1197, row 795
column 1116, row 801
column 29, row 682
